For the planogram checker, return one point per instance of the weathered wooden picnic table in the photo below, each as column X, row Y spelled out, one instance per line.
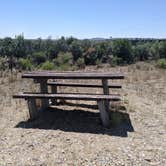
column 42, row 78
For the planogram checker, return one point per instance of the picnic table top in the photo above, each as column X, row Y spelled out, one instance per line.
column 72, row 75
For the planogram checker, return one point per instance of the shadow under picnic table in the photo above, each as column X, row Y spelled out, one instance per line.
column 78, row 120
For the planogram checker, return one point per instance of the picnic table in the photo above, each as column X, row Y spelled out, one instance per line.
column 44, row 78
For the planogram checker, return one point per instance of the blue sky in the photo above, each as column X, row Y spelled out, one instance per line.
column 83, row 18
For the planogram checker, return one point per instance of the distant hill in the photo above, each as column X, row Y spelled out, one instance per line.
column 98, row 39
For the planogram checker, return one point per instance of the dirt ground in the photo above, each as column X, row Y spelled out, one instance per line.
column 72, row 134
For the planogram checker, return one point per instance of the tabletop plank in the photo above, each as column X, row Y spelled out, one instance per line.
column 72, row 75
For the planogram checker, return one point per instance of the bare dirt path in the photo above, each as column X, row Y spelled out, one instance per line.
column 78, row 138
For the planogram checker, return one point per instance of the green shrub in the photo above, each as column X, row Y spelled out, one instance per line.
column 162, row 49
column 161, row 63
column 39, row 57
column 80, row 63
column 63, row 58
column 114, row 61
column 143, row 51
column 64, row 61
column 122, row 49
column 47, row 66
column 25, row 64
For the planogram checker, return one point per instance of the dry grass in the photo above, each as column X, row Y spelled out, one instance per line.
column 75, row 136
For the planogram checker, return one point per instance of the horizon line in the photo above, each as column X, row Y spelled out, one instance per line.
column 95, row 38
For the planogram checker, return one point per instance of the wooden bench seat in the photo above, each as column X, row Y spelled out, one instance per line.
column 31, row 99
column 81, row 85
column 68, row 96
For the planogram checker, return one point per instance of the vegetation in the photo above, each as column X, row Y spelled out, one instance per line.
column 65, row 53
column 63, row 61
column 25, row 64
column 161, row 63
column 47, row 66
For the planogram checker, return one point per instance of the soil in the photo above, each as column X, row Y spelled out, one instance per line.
column 71, row 133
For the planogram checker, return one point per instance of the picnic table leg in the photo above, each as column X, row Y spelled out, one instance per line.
column 106, row 92
column 103, row 113
column 54, row 91
column 44, row 89
column 33, row 112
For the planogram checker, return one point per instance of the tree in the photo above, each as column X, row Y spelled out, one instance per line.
column 70, row 40
column 61, row 45
column 38, row 45
column 86, row 44
column 20, row 49
column 76, row 50
column 154, row 50
column 28, row 47
column 90, row 56
column 141, row 51
column 122, row 49
column 101, row 51
column 8, row 46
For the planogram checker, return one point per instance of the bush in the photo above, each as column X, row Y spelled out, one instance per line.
column 63, row 58
column 142, row 51
column 90, row 56
column 162, row 49
column 64, row 61
column 80, row 63
column 76, row 50
column 47, row 66
column 25, row 64
column 39, row 57
column 123, row 49
column 114, row 61
column 161, row 63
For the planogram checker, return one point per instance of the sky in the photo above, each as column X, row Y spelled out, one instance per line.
column 83, row 18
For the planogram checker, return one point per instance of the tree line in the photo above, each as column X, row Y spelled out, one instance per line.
column 65, row 53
